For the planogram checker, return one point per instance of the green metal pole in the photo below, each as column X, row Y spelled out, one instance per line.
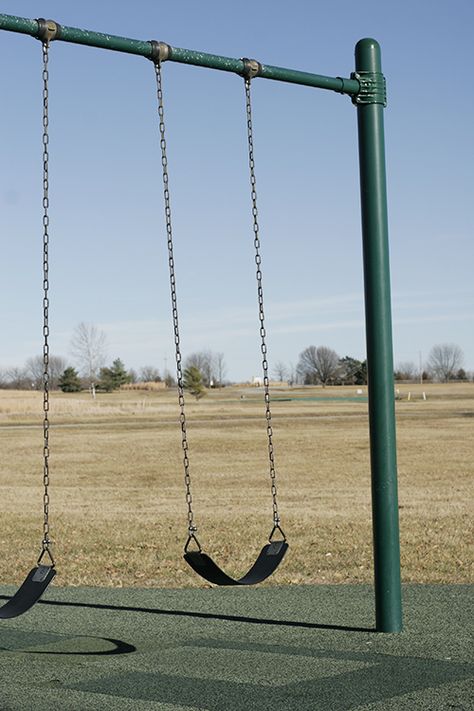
column 370, row 103
column 143, row 48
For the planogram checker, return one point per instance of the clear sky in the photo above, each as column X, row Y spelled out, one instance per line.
column 108, row 246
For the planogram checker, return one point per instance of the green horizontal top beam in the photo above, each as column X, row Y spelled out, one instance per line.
column 75, row 35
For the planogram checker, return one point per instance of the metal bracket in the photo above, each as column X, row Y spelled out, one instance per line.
column 276, row 528
column 45, row 551
column 42, row 573
column 372, row 90
column 192, row 537
column 160, row 51
column 251, row 68
column 48, row 30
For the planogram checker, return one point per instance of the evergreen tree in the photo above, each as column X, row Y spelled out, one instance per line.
column 112, row 378
column 192, row 380
column 69, row 381
column 353, row 371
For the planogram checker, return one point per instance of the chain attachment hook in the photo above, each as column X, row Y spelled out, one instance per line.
column 192, row 537
column 277, row 528
column 46, row 550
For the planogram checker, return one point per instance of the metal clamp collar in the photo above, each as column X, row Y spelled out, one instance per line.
column 251, row 68
column 48, row 30
column 372, row 90
column 160, row 51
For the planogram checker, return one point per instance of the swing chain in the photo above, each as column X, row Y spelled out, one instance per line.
column 192, row 528
column 258, row 261
column 46, row 542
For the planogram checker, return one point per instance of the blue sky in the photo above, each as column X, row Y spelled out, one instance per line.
column 108, row 247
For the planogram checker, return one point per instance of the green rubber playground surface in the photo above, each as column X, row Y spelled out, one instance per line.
column 298, row 647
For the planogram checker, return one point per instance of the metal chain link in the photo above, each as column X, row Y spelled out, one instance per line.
column 46, row 542
column 192, row 528
column 261, row 314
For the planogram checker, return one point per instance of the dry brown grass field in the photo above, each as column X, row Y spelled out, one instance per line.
column 118, row 512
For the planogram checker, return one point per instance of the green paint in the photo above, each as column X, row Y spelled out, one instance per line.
column 379, row 349
column 183, row 56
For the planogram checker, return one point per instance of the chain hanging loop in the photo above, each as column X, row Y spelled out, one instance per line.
column 252, row 69
column 159, row 52
column 48, row 33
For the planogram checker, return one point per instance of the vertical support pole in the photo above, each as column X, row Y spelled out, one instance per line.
column 370, row 102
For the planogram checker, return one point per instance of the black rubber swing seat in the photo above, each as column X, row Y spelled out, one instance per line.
column 267, row 562
column 29, row 592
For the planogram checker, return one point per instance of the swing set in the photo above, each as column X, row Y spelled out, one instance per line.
column 366, row 87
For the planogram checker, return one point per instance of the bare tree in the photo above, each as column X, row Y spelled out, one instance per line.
column 292, row 375
column 444, row 361
column 210, row 365
column 220, row 368
column 169, row 379
column 280, row 371
column 16, row 379
column 318, row 365
column 88, row 347
column 34, row 368
column 57, row 366
column 149, row 374
column 406, row 371
column 132, row 376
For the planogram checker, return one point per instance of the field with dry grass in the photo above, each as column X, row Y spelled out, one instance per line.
column 118, row 512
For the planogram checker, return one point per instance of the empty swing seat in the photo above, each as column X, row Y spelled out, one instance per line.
column 267, row 562
column 29, row 592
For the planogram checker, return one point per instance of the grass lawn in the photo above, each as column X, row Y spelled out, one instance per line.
column 118, row 511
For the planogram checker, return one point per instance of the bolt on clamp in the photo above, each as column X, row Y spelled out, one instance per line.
column 251, row 68
column 48, row 30
column 160, row 51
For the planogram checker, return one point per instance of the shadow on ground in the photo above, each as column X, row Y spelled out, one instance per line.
column 302, row 648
